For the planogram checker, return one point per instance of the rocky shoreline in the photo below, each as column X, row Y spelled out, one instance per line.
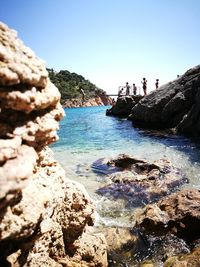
column 48, row 220
column 101, row 100
column 174, row 106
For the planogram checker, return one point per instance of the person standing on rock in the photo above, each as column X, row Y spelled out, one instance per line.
column 127, row 89
column 134, row 89
column 157, row 83
column 120, row 92
column 144, row 86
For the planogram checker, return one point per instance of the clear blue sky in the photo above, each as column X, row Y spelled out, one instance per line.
column 110, row 42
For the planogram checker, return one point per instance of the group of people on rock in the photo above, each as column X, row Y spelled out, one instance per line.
column 134, row 88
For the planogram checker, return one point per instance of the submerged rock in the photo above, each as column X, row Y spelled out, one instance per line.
column 45, row 218
column 140, row 182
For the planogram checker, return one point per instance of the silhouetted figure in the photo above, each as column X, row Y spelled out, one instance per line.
column 120, row 92
column 144, row 85
column 127, row 89
column 113, row 102
column 157, row 83
column 83, row 95
column 134, row 89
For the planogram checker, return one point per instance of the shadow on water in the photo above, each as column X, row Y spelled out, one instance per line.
column 189, row 146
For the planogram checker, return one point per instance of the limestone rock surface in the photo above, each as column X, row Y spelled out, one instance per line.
column 45, row 218
column 178, row 213
column 19, row 64
column 101, row 100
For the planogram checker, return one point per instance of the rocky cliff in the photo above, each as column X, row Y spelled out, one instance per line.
column 124, row 105
column 45, row 219
column 101, row 100
column 173, row 105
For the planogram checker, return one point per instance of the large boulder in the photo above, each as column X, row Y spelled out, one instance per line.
column 175, row 104
column 45, row 218
column 178, row 214
column 123, row 106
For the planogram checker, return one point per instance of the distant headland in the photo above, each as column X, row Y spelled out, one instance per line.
column 76, row 91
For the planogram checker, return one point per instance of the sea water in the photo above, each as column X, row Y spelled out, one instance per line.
column 87, row 134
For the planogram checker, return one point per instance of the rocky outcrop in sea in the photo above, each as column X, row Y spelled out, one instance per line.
column 123, row 106
column 45, row 219
column 173, row 105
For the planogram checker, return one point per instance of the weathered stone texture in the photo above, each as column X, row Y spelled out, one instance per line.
column 44, row 217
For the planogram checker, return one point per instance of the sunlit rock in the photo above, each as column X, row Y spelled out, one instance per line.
column 44, row 217
column 175, row 104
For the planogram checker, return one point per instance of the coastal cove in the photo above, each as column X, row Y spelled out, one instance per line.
column 87, row 135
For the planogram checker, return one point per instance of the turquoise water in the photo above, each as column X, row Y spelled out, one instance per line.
column 87, row 135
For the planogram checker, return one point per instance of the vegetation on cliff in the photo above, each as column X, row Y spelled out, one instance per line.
column 69, row 84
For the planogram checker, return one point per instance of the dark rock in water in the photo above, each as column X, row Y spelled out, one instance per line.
column 128, row 247
column 178, row 214
column 176, row 104
column 139, row 182
column 123, row 105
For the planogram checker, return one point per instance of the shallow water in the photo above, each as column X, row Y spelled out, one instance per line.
column 87, row 135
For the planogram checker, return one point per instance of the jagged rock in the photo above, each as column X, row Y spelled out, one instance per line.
column 175, row 104
column 9, row 148
column 54, row 221
column 140, row 182
column 44, row 217
column 18, row 63
column 14, row 172
column 178, row 213
column 101, row 100
column 123, row 105
column 28, row 98
column 35, row 129
column 191, row 259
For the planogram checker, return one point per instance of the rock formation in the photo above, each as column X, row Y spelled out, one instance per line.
column 124, row 105
column 45, row 219
column 101, row 100
column 178, row 214
column 138, row 181
column 175, row 104
column 171, row 226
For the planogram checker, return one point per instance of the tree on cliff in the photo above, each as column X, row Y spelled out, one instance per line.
column 69, row 84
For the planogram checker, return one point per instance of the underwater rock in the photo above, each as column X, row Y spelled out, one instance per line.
column 140, row 182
